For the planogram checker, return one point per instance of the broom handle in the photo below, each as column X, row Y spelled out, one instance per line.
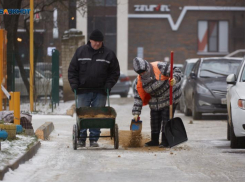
column 171, row 88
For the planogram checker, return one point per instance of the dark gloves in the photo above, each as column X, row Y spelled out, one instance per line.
column 107, row 86
column 74, row 88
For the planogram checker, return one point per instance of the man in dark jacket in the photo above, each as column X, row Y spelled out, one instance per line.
column 93, row 66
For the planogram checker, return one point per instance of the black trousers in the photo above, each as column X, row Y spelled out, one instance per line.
column 159, row 119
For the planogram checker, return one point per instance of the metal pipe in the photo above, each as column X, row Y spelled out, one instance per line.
column 31, row 54
column 17, row 108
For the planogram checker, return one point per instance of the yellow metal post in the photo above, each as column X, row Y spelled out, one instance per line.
column 1, row 69
column 17, row 108
column 31, row 54
column 3, row 64
column 11, row 101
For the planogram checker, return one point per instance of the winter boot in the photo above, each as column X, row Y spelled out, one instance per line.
column 81, row 143
column 154, row 140
column 93, row 143
column 164, row 143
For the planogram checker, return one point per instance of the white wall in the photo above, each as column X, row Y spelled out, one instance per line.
column 82, row 23
column 122, row 34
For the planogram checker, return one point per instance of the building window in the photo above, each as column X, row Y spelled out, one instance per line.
column 102, row 15
column 104, row 2
column 213, row 36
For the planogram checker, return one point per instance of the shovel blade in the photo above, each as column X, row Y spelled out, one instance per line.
column 136, row 126
column 175, row 132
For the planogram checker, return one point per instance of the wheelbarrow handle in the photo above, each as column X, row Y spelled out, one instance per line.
column 107, row 92
column 75, row 91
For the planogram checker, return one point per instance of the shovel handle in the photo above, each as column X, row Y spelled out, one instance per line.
column 170, row 87
column 137, row 119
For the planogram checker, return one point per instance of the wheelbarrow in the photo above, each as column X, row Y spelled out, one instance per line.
column 95, row 117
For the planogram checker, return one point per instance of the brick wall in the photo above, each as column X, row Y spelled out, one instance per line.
column 158, row 39
column 68, row 48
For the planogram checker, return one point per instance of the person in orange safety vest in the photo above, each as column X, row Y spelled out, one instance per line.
column 152, row 87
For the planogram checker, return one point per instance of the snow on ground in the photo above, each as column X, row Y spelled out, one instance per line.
column 13, row 149
column 43, row 107
column 205, row 157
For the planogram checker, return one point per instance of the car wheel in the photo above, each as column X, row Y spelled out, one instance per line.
column 195, row 114
column 124, row 95
column 236, row 142
column 61, row 93
column 187, row 111
column 228, row 129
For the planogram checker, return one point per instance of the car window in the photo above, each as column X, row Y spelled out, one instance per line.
column 195, row 67
column 27, row 72
column 44, row 66
column 16, row 73
column 180, row 66
column 213, row 68
column 188, row 68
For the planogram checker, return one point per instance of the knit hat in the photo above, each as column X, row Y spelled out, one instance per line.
column 140, row 65
column 96, row 35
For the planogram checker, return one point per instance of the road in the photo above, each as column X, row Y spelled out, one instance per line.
column 205, row 157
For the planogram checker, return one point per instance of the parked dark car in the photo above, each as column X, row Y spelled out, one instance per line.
column 122, row 86
column 206, row 86
column 188, row 65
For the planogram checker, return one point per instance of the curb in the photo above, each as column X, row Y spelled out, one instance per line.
column 25, row 157
column 44, row 130
column 71, row 111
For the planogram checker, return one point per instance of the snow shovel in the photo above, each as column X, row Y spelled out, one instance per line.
column 174, row 128
column 136, row 126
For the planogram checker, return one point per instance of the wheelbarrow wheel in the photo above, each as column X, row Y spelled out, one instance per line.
column 74, row 137
column 116, row 137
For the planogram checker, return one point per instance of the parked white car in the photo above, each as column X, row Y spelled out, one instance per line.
column 46, row 69
column 236, row 107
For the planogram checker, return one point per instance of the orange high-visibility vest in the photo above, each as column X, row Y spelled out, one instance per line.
column 145, row 97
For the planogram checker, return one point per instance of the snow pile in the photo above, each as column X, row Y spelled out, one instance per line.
column 12, row 150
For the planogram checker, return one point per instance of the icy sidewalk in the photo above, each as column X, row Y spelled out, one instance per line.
column 13, row 149
column 203, row 158
column 21, row 149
